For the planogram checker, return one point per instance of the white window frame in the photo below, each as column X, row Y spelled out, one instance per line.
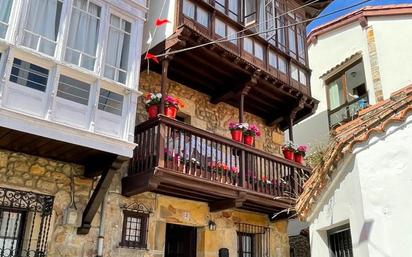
column 22, row 30
column 117, row 70
column 102, row 26
column 61, row 105
column 106, row 123
column 37, row 97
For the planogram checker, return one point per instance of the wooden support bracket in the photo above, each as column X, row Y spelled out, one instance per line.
column 98, row 195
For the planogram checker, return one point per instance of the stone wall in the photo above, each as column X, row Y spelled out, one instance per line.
column 30, row 173
column 211, row 117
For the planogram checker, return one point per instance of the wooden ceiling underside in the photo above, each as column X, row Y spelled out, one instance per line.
column 221, row 74
column 31, row 144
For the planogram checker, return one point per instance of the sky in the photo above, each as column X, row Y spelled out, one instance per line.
column 339, row 4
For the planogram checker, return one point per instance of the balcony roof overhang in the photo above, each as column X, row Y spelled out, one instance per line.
column 222, row 73
column 93, row 160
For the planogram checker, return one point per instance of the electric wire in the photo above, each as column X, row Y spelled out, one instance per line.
column 261, row 32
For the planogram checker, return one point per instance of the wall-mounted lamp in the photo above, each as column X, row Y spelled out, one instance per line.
column 212, row 225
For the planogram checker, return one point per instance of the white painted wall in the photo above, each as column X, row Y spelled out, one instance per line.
column 371, row 191
column 393, row 37
column 162, row 32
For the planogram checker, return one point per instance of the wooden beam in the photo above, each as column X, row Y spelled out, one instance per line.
column 140, row 183
column 228, row 203
column 197, row 70
column 98, row 195
column 94, row 166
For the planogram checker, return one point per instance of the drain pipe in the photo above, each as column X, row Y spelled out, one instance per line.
column 100, row 238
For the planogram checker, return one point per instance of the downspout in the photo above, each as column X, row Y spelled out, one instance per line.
column 100, row 238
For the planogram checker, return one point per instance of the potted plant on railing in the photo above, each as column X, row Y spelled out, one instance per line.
column 288, row 150
column 237, row 129
column 152, row 104
column 233, row 174
column 172, row 106
column 300, row 152
column 250, row 133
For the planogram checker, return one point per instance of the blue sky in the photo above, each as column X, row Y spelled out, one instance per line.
column 339, row 4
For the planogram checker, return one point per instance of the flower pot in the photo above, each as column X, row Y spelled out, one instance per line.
column 153, row 111
column 171, row 111
column 298, row 158
column 289, row 155
column 248, row 140
column 237, row 135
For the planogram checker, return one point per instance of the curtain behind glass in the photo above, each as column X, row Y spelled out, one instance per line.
column 43, row 19
column 233, row 9
column 117, row 54
column 335, row 94
column 5, row 9
column 83, row 34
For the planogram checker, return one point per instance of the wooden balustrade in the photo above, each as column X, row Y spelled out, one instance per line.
column 190, row 151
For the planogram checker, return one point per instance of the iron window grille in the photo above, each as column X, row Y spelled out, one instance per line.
column 340, row 242
column 135, row 226
column 24, row 223
column 253, row 240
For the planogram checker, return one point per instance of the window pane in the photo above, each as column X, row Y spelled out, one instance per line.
column 302, row 77
column 29, row 75
column 335, row 92
column 117, row 54
column 42, row 25
column 231, row 34
column 202, row 17
column 73, row 90
column 294, row 72
column 233, row 9
column 110, row 102
column 188, row 9
column 272, row 59
column 220, row 28
column 259, row 51
column 248, row 45
column 5, row 9
column 282, row 64
column 250, row 12
column 220, row 5
column 292, row 41
column 83, row 34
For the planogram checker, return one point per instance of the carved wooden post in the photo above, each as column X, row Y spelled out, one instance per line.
column 292, row 115
column 243, row 157
column 161, row 143
column 164, row 82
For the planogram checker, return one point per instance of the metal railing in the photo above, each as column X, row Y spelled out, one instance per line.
column 348, row 111
column 24, row 223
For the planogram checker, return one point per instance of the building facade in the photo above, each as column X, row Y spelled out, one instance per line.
column 72, row 118
column 68, row 95
column 357, row 202
column 370, row 60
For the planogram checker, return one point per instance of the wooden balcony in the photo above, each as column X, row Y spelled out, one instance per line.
column 280, row 91
column 176, row 159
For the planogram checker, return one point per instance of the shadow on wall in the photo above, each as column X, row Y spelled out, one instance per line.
column 312, row 131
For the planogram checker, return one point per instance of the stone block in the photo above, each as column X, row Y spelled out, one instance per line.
column 46, row 185
column 37, row 170
column 21, row 166
column 4, row 158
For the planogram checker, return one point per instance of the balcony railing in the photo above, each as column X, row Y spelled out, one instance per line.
column 171, row 145
column 347, row 111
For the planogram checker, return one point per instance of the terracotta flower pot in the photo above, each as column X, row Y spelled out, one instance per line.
column 171, row 111
column 237, row 135
column 298, row 158
column 289, row 155
column 248, row 140
column 153, row 111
